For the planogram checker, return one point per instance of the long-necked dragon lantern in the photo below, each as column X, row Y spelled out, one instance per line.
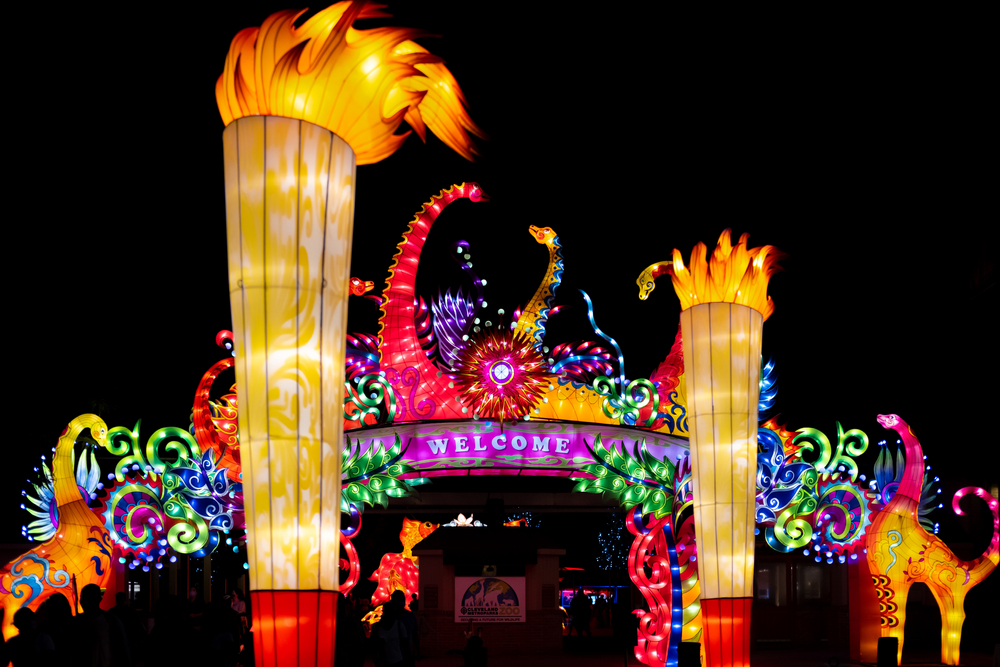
column 690, row 452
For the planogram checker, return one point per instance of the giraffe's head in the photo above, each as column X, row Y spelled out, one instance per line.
column 543, row 235
column 98, row 429
column 361, row 287
column 891, row 421
column 476, row 193
column 647, row 279
column 896, row 423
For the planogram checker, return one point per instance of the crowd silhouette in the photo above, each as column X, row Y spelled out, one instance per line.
column 187, row 631
column 195, row 633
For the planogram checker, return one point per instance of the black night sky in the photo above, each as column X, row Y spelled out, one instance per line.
column 857, row 145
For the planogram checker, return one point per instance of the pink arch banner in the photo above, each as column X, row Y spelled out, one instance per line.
column 526, row 448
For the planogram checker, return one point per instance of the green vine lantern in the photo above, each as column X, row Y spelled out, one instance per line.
column 630, row 479
column 372, row 477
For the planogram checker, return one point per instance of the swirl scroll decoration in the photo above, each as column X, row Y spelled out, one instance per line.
column 410, row 377
column 168, row 495
column 628, row 406
column 832, row 463
column 30, row 585
column 814, row 505
column 653, row 548
column 368, row 398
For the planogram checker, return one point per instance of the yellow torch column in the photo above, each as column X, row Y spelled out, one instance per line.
column 724, row 304
column 722, row 367
column 303, row 104
column 289, row 210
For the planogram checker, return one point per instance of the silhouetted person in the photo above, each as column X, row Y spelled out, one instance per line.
column 30, row 647
column 194, row 606
column 579, row 609
column 170, row 622
column 100, row 635
column 406, row 617
column 220, row 625
column 349, row 648
column 238, row 603
column 58, row 625
column 390, row 639
column 601, row 612
column 415, row 636
column 475, row 652
column 134, row 630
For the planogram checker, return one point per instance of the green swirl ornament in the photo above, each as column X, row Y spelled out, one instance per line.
column 366, row 397
column 829, row 461
column 789, row 533
column 626, row 408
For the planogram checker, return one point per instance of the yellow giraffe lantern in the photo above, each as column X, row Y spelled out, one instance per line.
column 901, row 552
column 78, row 554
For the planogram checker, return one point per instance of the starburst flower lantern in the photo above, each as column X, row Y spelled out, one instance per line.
column 501, row 374
column 302, row 106
column 724, row 304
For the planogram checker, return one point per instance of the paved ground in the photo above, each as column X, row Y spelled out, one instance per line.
column 771, row 658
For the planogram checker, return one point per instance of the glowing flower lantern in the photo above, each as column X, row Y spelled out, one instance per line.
column 501, row 374
column 302, row 107
column 724, row 304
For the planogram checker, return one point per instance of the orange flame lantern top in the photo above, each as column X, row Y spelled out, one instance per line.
column 732, row 275
column 359, row 84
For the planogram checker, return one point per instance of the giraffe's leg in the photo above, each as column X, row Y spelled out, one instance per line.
column 9, row 607
column 895, row 619
column 951, row 604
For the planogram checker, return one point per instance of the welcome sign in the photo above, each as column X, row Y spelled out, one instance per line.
column 490, row 600
column 533, row 444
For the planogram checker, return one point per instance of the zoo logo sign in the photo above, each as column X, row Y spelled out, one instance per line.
column 489, row 600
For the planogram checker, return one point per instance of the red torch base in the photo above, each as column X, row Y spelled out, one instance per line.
column 294, row 627
column 727, row 631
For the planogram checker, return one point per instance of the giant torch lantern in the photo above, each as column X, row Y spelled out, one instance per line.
column 302, row 107
column 724, row 304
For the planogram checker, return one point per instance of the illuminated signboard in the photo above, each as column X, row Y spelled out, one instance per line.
column 534, row 445
column 490, row 600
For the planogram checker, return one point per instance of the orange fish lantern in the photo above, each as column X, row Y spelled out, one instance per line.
column 399, row 571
